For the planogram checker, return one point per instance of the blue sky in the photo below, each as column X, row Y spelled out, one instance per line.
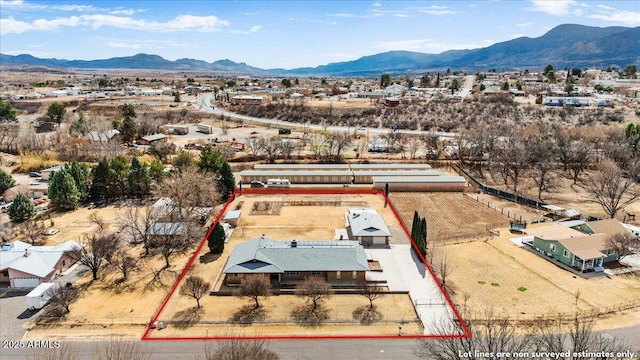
column 287, row 34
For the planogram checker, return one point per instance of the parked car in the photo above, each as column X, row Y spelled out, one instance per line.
column 4, row 207
column 51, row 232
column 257, row 184
column 35, row 174
column 41, row 208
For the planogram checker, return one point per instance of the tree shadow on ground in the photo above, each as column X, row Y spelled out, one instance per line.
column 186, row 318
column 247, row 315
column 366, row 315
column 53, row 314
column 309, row 317
column 209, row 258
column 158, row 279
column 120, row 285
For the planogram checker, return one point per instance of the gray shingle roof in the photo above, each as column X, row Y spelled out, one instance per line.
column 262, row 255
column 367, row 223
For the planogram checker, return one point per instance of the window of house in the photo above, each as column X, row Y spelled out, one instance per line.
column 5, row 273
column 338, row 274
column 316, row 273
column 292, row 273
column 565, row 253
column 552, row 247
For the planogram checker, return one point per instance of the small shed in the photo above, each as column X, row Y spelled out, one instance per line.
column 232, row 218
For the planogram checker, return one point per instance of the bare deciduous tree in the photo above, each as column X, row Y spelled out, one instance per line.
column 65, row 351
column 33, row 229
column 63, row 296
column 119, row 349
column 370, row 290
column 136, row 221
column 413, row 145
column 98, row 248
column 195, row 287
column 623, row 243
column 124, row 262
column 610, row 188
column 315, row 289
column 254, row 287
column 238, row 349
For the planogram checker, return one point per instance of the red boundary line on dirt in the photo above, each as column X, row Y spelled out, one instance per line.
column 345, row 191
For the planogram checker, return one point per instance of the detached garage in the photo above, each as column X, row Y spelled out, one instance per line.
column 367, row 227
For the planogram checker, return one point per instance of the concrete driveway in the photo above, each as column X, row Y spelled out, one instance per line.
column 404, row 271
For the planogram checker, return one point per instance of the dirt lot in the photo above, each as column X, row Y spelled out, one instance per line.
column 449, row 215
column 299, row 222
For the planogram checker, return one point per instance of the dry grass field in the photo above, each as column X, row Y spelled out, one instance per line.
column 309, row 222
column 496, row 273
column 449, row 215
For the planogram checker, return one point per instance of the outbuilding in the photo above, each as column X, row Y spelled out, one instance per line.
column 233, row 218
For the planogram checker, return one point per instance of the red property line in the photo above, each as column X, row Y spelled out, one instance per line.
column 327, row 191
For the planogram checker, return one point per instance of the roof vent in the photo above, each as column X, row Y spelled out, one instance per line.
column 294, row 243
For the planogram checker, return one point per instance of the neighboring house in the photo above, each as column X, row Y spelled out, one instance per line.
column 160, row 229
column 340, row 263
column 367, row 227
column 247, row 100
column 584, row 250
column 11, row 193
column 166, row 209
column 152, row 139
column 26, row 266
column 46, row 173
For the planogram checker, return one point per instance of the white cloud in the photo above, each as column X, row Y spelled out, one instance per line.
column 179, row 23
column 377, row 4
column 619, row 16
column 252, row 30
column 413, row 44
column 553, row 7
column 435, row 10
column 527, row 24
column 80, row 8
column 515, row 36
column 12, row 26
column 128, row 12
column 427, row 45
column 123, row 45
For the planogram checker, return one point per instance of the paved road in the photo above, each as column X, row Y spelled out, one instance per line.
column 294, row 349
column 204, row 104
column 468, row 86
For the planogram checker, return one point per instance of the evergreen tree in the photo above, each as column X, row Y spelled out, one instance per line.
column 6, row 112
column 210, row 160
column 226, row 182
column 21, row 209
column 62, row 191
column 6, row 181
column 128, row 130
column 156, row 170
column 100, row 185
column 139, row 182
column 118, row 175
column 216, row 239
column 80, row 174
column 56, row 112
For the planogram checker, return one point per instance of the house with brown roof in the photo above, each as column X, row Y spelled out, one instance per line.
column 584, row 250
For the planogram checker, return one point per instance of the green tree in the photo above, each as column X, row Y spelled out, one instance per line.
column 216, row 239
column 56, row 112
column 119, row 175
column 577, row 72
column 6, row 181
column 100, row 185
column 128, row 111
column 156, row 170
column 455, row 85
column 62, row 191
column 385, row 80
column 425, row 81
column 182, row 160
column 286, row 83
column 80, row 126
column 6, row 112
column 568, row 88
column 630, row 72
column 210, row 160
column 128, row 130
column 139, row 181
column 410, row 83
column 226, row 182
column 547, row 70
column 438, row 80
column 632, row 135
column 551, row 76
column 504, row 86
column 21, row 209
column 176, row 97
column 80, row 174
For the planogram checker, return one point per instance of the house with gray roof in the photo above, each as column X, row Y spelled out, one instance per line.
column 366, row 226
column 341, row 263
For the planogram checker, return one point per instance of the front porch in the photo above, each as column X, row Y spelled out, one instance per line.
column 558, row 263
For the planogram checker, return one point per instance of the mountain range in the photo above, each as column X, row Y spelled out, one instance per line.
column 566, row 45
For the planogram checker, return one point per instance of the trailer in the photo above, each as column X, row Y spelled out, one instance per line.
column 39, row 296
column 205, row 129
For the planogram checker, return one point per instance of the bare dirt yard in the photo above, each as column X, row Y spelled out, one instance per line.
column 302, row 217
column 449, row 215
